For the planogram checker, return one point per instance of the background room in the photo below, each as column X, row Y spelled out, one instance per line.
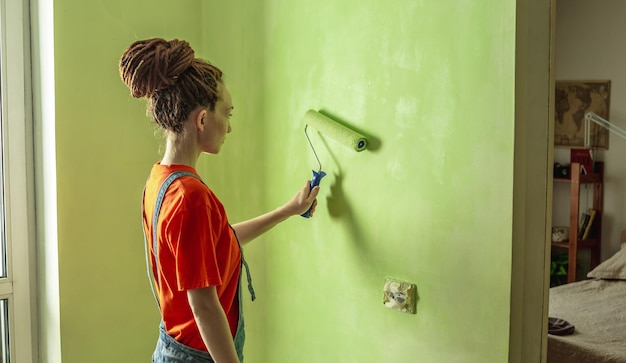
column 588, row 47
column 588, row 267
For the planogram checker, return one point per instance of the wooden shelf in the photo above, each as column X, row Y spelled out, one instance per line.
column 580, row 244
column 583, row 179
column 594, row 242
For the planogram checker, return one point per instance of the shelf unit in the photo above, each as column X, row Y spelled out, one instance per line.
column 594, row 241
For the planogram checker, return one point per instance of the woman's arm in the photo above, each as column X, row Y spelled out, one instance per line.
column 300, row 203
column 213, row 324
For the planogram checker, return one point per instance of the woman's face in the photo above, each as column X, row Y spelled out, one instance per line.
column 217, row 123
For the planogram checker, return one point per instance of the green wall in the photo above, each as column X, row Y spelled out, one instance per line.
column 105, row 148
column 430, row 83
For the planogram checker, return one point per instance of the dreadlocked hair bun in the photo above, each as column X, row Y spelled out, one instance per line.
column 173, row 80
column 148, row 66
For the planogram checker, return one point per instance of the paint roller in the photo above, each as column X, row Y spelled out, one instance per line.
column 338, row 132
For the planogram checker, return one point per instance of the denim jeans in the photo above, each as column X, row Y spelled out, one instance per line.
column 168, row 350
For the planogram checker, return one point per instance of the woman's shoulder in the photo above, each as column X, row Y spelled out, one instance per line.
column 180, row 177
column 187, row 190
column 192, row 186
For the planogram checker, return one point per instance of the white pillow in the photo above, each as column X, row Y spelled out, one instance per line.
column 612, row 269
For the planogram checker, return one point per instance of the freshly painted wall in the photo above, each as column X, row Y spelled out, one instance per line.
column 432, row 85
column 431, row 202
column 596, row 51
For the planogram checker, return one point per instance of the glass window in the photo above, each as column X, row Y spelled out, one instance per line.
column 16, row 191
column 5, row 352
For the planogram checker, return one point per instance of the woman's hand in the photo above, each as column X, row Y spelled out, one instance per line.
column 304, row 198
column 300, row 203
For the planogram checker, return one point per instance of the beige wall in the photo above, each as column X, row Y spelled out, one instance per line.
column 590, row 46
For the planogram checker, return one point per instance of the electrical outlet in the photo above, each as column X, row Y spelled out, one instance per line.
column 400, row 295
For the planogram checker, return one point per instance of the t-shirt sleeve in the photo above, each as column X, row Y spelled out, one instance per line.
column 194, row 237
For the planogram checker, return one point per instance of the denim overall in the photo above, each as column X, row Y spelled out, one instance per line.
column 168, row 350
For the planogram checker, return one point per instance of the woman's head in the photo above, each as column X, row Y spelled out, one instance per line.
column 173, row 80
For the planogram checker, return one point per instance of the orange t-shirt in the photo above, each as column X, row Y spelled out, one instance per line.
column 196, row 247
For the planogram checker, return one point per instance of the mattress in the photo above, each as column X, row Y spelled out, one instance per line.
column 597, row 309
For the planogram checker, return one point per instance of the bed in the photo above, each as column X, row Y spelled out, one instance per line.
column 597, row 309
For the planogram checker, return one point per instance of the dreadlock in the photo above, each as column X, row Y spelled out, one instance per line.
column 173, row 80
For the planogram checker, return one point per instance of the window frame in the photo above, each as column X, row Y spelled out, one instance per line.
column 18, row 180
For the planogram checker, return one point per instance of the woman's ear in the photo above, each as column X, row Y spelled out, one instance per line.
column 201, row 119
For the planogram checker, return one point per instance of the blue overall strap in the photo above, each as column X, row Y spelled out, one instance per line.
column 245, row 265
column 155, row 220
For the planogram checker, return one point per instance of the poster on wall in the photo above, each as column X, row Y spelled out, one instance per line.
column 573, row 99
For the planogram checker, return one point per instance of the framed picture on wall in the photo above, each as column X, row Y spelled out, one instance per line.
column 573, row 99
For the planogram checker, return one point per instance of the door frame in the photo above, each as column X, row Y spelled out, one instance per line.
column 532, row 181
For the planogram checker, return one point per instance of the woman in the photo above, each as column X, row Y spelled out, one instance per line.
column 195, row 258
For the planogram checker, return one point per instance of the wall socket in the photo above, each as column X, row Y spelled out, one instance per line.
column 400, row 295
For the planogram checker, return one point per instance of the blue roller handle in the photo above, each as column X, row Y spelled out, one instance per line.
column 317, row 178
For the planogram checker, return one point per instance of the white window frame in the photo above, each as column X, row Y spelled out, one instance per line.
column 19, row 196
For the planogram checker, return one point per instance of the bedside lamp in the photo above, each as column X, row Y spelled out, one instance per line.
column 592, row 117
